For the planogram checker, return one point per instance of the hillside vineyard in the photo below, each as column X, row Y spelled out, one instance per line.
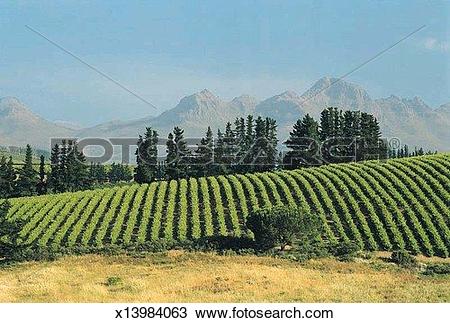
column 401, row 203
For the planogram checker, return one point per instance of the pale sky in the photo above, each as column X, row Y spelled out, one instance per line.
column 164, row 50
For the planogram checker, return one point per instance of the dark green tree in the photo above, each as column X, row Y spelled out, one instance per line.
column 42, row 185
column 97, row 173
column 28, row 177
column 54, row 181
column 229, row 149
column 282, row 226
column 7, row 177
column 62, row 171
column 178, row 160
column 303, row 144
column 119, row 173
column 78, row 168
column 263, row 149
column 204, row 156
column 147, row 157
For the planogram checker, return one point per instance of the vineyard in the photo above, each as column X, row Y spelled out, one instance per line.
column 402, row 203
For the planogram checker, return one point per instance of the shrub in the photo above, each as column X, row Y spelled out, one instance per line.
column 346, row 250
column 403, row 258
column 222, row 243
column 282, row 225
column 113, row 281
column 437, row 269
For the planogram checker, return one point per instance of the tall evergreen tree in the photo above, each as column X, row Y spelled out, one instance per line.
column 77, row 168
column 241, row 145
column 62, row 172
column 204, row 156
column 230, row 148
column 178, row 155
column 262, row 151
column 246, row 158
column 55, row 177
column 7, row 177
column 42, row 185
column 28, row 179
column 184, row 155
column 272, row 142
column 303, row 143
column 97, row 173
column 119, row 173
column 219, row 154
column 372, row 147
column 147, row 157
column 171, row 158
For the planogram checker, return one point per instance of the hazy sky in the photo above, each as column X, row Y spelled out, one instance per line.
column 164, row 50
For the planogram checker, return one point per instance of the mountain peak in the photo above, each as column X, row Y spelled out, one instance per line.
column 206, row 94
column 12, row 105
column 10, row 100
column 331, row 91
column 326, row 81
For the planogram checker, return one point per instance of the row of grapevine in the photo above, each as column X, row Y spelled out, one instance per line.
column 360, row 220
column 270, row 187
column 132, row 215
column 195, row 211
column 147, row 212
column 59, row 218
column 437, row 171
column 287, row 195
column 123, row 212
column 333, row 194
column 397, row 226
column 234, row 217
column 64, row 204
column 35, row 218
column 28, row 209
column 106, row 221
column 100, row 198
column 240, row 195
column 183, row 214
column 170, row 210
column 434, row 181
column 384, row 225
column 266, row 203
column 435, row 208
column 339, row 202
column 291, row 184
column 20, row 208
column 251, row 194
column 206, row 204
column 157, row 216
column 399, row 204
column 72, row 217
column 220, row 212
column 326, row 210
column 408, row 200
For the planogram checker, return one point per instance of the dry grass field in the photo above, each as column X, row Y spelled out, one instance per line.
column 202, row 277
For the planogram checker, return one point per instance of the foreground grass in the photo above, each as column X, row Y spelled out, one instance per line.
column 202, row 277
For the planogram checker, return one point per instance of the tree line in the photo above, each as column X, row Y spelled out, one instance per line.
column 251, row 145
column 248, row 144
column 67, row 172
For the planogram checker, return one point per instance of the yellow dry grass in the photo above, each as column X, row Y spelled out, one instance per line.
column 203, row 277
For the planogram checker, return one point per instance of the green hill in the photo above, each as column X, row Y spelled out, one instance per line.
column 402, row 203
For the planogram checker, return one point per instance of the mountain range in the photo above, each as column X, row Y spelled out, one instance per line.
column 409, row 119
